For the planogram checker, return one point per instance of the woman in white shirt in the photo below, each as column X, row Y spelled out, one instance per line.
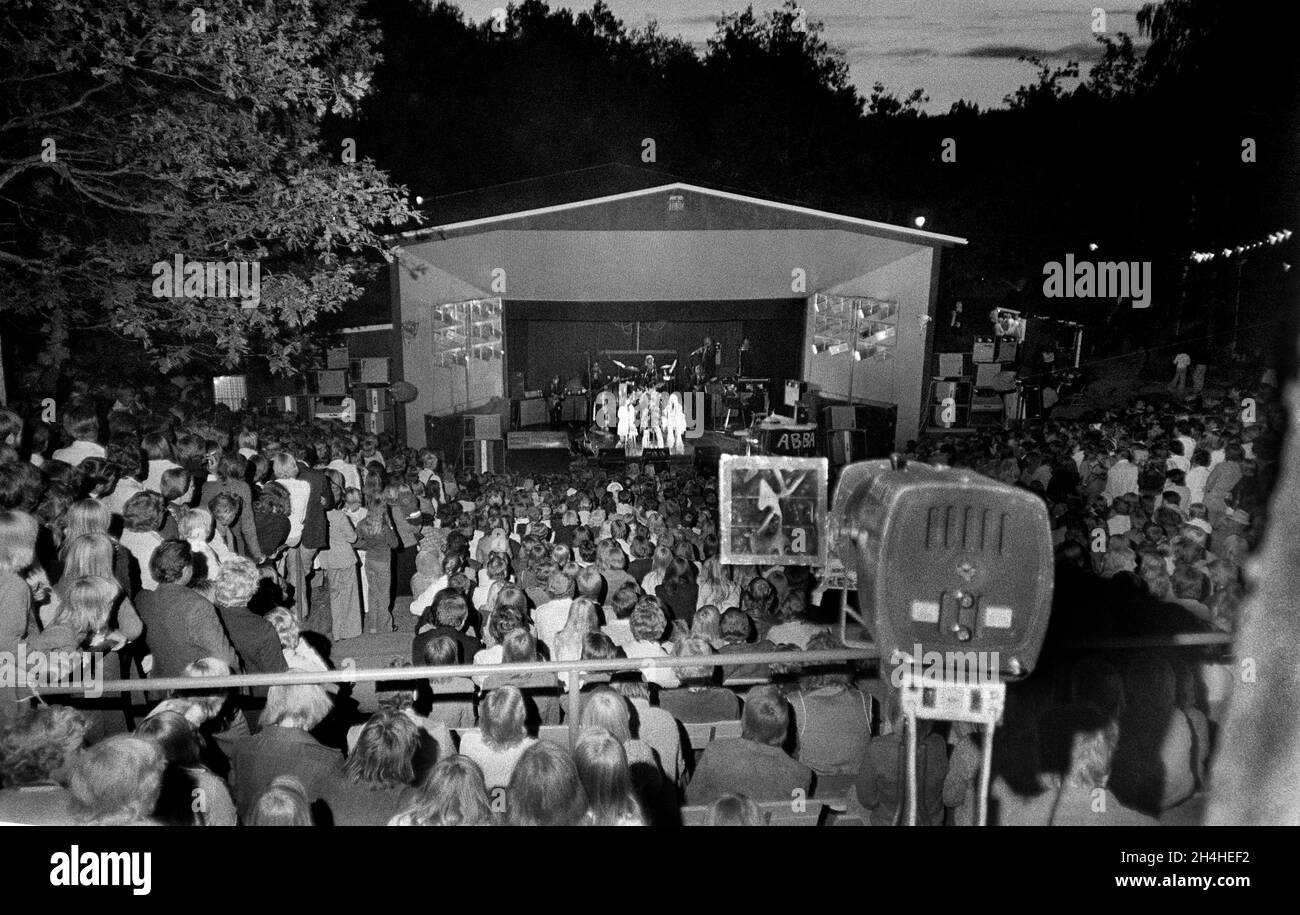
column 285, row 469
column 501, row 738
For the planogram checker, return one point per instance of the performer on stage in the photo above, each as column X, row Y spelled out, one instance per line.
column 598, row 378
column 555, row 399
column 708, row 355
column 742, row 360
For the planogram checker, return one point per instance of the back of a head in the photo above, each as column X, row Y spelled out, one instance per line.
column 734, row 810
column 766, row 718
column 296, row 705
column 384, row 756
column 694, row 647
column 545, row 789
column 648, row 620
column 503, row 717
column 117, row 780
column 591, row 583
column 40, row 744
column 736, row 626
column 174, row 735
column 602, row 768
column 606, row 708
column 1076, row 742
column 283, row 803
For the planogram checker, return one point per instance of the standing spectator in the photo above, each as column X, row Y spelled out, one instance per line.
column 228, row 479
column 339, row 562
column 143, row 515
column 181, row 626
column 254, row 638
column 377, row 539
column 82, row 427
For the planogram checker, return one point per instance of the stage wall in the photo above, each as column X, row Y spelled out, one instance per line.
column 544, row 338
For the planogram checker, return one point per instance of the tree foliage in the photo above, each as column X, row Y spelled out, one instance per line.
column 132, row 131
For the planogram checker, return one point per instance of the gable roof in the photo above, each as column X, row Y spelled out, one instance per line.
column 793, row 215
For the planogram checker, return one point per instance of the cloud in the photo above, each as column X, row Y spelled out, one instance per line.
column 910, row 53
column 1078, row 51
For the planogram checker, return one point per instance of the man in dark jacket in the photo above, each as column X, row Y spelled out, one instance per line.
column 181, row 626
column 315, row 537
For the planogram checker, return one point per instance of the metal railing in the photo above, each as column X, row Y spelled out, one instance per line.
column 571, row 671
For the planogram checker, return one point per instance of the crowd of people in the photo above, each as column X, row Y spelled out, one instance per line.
column 184, row 540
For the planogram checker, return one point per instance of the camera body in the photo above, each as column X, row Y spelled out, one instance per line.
column 948, row 562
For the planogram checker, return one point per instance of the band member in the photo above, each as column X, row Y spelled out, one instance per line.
column 555, row 398
column 700, row 382
column 598, row 378
column 708, row 355
column 742, row 358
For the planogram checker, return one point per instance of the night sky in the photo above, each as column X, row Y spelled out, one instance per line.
column 954, row 49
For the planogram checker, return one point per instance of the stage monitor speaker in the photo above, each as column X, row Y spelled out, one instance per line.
column 984, row 350
column 483, row 426
column 1008, row 349
column 532, row 412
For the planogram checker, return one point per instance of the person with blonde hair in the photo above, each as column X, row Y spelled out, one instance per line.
column 716, row 587
column 707, row 625
column 284, row 746
column 283, row 803
column 83, row 621
column 196, row 528
column 609, row 710
column 603, row 770
column 117, row 782
column 255, row 640
column 584, row 617
column 35, row 755
column 298, row 652
column 94, row 554
column 452, row 794
column 502, row 737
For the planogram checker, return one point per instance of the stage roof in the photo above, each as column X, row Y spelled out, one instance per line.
column 550, row 203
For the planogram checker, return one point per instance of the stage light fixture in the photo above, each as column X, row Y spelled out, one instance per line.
column 919, row 222
column 419, row 201
column 1092, row 246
